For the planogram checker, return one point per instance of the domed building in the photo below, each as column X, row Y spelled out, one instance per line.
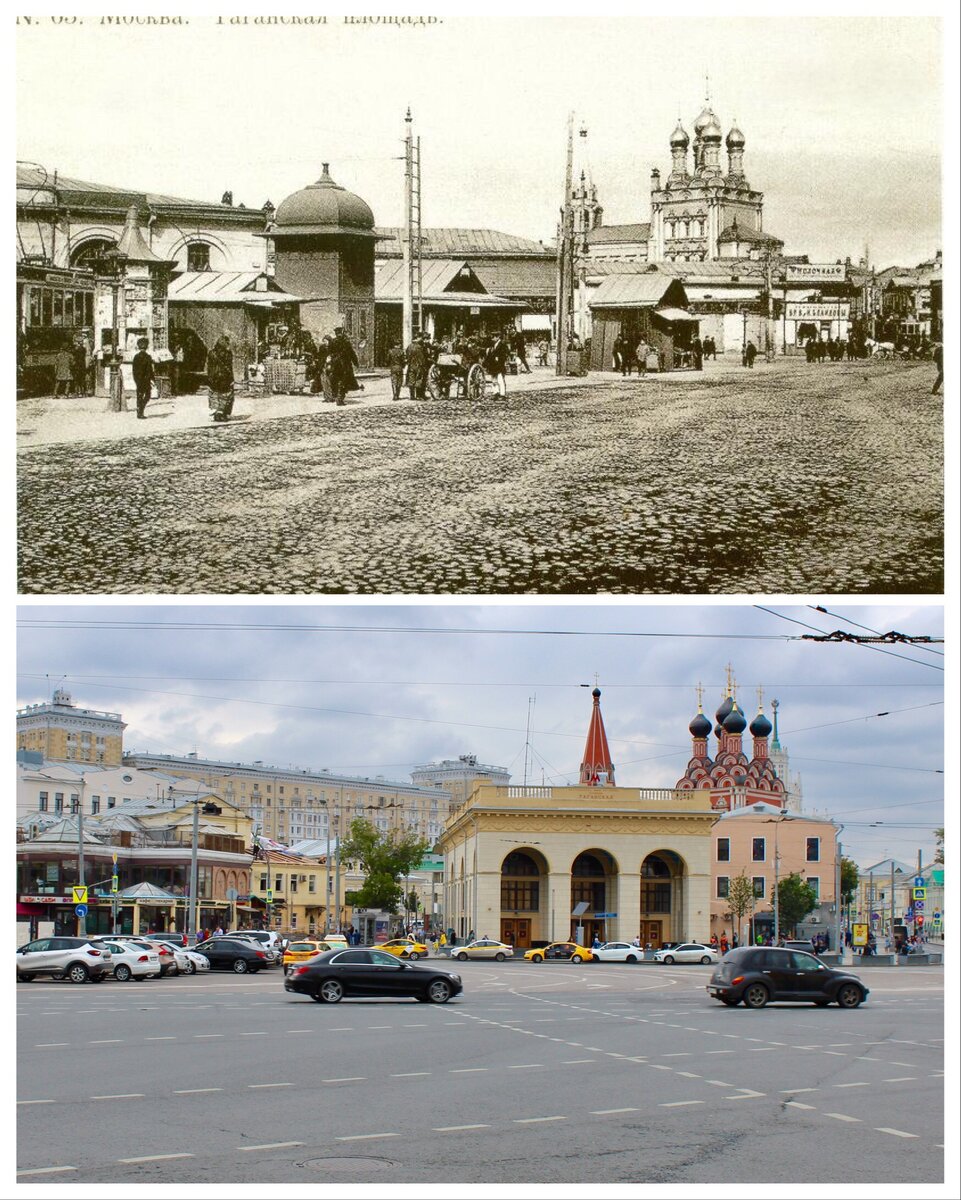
column 324, row 238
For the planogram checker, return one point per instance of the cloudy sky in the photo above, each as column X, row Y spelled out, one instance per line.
column 379, row 689
column 842, row 114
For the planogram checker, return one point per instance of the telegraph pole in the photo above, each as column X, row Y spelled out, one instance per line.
column 413, row 293
column 565, row 264
column 81, row 865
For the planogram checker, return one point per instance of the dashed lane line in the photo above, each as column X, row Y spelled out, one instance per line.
column 467, row 1070
column 843, row 1117
column 535, row 1120
column 50, row 1045
column 456, row 1128
column 269, row 1085
column 680, row 1103
column 152, row 1158
column 606, row 1112
column 409, row 1074
column 196, row 1091
column 347, row 1079
column 365, row 1137
column 270, row 1146
column 36, row 1102
column 901, row 1079
column 122, row 1096
column 44, row 1170
column 847, row 1085
column 895, row 1132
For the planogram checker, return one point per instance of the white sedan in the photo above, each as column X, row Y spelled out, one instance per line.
column 131, row 960
column 687, row 952
column 618, row 952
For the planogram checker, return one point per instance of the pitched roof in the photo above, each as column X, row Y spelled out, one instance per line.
column 443, row 280
column 519, row 277
column 455, row 242
column 597, row 755
column 228, row 287
column 737, row 233
column 606, row 234
column 640, row 289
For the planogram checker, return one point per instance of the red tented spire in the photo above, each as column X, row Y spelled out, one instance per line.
column 597, row 767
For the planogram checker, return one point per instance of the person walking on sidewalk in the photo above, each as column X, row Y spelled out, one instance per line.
column 143, row 376
column 396, row 361
column 220, row 378
column 497, row 365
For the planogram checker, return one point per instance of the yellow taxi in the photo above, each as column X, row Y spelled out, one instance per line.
column 560, row 952
column 300, row 951
column 405, row 947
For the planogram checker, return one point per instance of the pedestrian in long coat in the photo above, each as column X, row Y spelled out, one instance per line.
column 342, row 360
column 63, row 371
column 143, row 376
column 220, row 378
column 697, row 353
column 496, row 363
column 418, row 364
column 750, row 354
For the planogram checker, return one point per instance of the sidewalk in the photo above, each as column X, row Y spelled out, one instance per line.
column 51, row 420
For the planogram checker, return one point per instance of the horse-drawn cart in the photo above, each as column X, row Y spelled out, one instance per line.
column 455, row 374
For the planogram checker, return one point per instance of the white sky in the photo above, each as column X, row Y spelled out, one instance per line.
column 842, row 115
column 359, row 700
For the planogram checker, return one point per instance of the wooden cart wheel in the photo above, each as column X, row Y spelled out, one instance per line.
column 435, row 384
column 476, row 382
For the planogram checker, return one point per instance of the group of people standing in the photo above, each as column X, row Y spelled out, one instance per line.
column 73, row 369
column 493, row 352
column 331, row 365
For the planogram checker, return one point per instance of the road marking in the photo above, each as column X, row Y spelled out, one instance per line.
column 209, row 1035
column 122, row 1096
column 843, row 1117
column 456, row 1128
column 901, row 1079
column 680, row 1103
column 269, row 1085
column 605, row 1112
column 408, row 1074
column 718, row 1051
column 523, row 1066
column 346, row 1079
column 798, row 1104
column 49, row 1045
column 104, row 1041
column 382, row 1026
column 44, row 1170
column 467, row 1070
column 661, row 1067
column 270, row 1146
column 840, row 1085
column 167, row 1038
column 193, row 1091
column 895, row 1132
column 418, row 1025
column 255, row 1033
column 572, row 1062
column 798, row 1091
column 365, row 1137
column 760, row 1049
column 152, row 1158
column 536, row 1120
column 689, row 1075
column 721, row 1083
column 341, row 1029
column 36, row 1102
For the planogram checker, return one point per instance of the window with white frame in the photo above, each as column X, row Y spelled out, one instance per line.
column 723, row 887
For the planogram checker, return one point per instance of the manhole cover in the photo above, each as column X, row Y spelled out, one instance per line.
column 348, row 1164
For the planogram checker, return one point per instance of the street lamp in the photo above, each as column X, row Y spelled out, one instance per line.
column 837, row 891
column 209, row 809
column 116, row 261
column 776, row 821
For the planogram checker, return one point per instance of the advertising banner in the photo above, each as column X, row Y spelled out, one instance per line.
column 816, row 272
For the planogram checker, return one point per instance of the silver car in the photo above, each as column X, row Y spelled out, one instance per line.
column 73, row 958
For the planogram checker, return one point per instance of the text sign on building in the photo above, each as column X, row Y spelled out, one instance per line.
column 798, row 310
column 815, row 271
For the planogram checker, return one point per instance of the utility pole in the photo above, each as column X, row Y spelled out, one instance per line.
column 337, row 867
column 81, row 865
column 192, row 909
column 565, row 254
column 413, row 293
column 769, row 332
column 327, row 876
column 837, row 891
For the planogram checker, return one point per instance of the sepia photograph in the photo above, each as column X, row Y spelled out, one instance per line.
column 612, row 305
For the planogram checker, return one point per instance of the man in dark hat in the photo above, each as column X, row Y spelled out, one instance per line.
column 396, row 361
column 341, row 362
column 418, row 364
column 220, row 378
column 143, row 376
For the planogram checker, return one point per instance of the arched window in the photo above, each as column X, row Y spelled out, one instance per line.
column 198, row 256
column 90, row 253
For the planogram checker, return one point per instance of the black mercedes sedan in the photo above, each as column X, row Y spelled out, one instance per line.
column 233, row 954
column 756, row 975
column 367, row 971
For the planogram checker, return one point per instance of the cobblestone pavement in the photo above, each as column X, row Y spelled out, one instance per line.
column 789, row 478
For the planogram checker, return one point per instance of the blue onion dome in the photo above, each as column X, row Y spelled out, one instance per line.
column 735, row 721
column 679, row 136
column 726, row 705
column 761, row 727
column 700, row 727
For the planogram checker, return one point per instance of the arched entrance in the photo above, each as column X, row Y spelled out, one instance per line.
column 660, row 916
column 593, row 893
column 523, row 893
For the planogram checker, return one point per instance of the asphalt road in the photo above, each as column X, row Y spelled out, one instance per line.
column 788, row 478
column 605, row 1073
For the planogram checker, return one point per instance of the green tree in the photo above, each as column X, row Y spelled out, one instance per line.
column 740, row 899
column 849, row 879
column 795, row 899
column 384, row 859
column 939, row 851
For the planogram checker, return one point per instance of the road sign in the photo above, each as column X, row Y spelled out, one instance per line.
column 79, row 894
column 602, row 915
column 114, row 883
column 919, row 881
column 937, row 916
column 81, row 909
column 270, row 895
column 919, row 893
column 919, row 906
column 909, row 915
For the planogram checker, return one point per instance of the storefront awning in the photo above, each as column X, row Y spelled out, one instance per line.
column 535, row 321
column 674, row 314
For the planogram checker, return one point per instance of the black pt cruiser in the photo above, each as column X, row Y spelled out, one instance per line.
column 756, row 975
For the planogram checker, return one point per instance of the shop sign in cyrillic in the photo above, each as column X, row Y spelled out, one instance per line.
column 798, row 310
column 824, row 272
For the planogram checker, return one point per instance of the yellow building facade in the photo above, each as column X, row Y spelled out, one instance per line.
column 62, row 732
column 529, row 864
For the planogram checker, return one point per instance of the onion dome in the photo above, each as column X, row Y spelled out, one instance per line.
column 700, row 727
column 706, row 118
column 324, row 207
column 712, row 130
column 679, row 136
column 761, row 727
column 726, row 705
column 735, row 139
column 735, row 721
